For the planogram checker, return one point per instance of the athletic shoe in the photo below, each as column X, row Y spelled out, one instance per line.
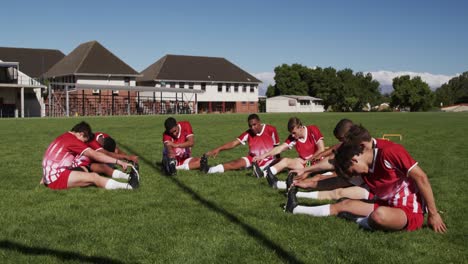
column 348, row 216
column 134, row 179
column 290, row 179
column 272, row 180
column 257, row 171
column 292, row 200
column 204, row 163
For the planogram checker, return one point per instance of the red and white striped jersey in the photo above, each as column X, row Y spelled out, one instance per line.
column 307, row 146
column 262, row 142
column 60, row 155
column 185, row 131
column 388, row 177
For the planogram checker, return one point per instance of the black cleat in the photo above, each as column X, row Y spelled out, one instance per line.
column 290, row 179
column 257, row 171
column 348, row 216
column 292, row 200
column 272, row 180
column 134, row 179
column 204, row 163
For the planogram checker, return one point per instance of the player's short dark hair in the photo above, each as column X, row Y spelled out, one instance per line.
column 293, row 122
column 358, row 134
column 85, row 128
column 170, row 123
column 109, row 144
column 343, row 157
column 253, row 116
column 341, row 128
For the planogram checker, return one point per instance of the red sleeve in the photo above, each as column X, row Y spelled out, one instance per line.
column 289, row 140
column 398, row 158
column 316, row 133
column 94, row 144
column 166, row 138
column 76, row 146
column 244, row 137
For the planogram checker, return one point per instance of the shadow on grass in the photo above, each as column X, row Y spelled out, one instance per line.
column 251, row 231
column 62, row 255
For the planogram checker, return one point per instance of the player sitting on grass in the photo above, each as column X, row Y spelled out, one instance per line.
column 261, row 139
column 332, row 187
column 102, row 142
column 178, row 139
column 60, row 170
column 307, row 140
column 401, row 187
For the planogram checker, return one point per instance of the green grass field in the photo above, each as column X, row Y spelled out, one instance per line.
column 231, row 217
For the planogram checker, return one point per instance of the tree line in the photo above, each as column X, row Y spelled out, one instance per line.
column 345, row 90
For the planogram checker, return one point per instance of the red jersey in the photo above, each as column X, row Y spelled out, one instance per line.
column 185, row 131
column 307, row 146
column 388, row 177
column 94, row 144
column 60, row 155
column 262, row 142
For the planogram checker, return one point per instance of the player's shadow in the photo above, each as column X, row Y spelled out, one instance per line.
column 60, row 254
column 251, row 231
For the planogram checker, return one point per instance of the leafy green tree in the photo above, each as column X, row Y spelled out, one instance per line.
column 453, row 92
column 413, row 93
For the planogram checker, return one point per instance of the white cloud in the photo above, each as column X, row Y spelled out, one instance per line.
column 267, row 78
column 385, row 78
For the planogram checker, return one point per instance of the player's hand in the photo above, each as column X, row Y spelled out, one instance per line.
column 436, row 222
column 212, row 153
column 133, row 158
column 124, row 164
column 299, row 172
column 257, row 158
column 300, row 183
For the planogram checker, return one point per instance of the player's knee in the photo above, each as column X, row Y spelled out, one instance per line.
column 378, row 216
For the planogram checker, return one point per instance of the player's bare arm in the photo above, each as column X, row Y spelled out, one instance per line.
column 103, row 158
column 433, row 219
column 275, row 151
column 229, row 145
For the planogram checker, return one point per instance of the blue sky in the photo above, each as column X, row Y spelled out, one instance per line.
column 386, row 38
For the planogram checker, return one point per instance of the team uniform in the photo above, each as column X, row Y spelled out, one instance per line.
column 388, row 180
column 259, row 144
column 83, row 161
column 182, row 155
column 307, row 146
column 59, row 159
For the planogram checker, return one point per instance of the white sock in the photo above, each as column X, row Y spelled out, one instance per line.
column 322, row 210
column 273, row 170
column 183, row 167
column 364, row 223
column 308, row 195
column 116, row 174
column 113, row 185
column 281, row 185
column 216, row 169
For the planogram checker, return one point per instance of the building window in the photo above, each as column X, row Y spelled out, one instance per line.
column 244, row 88
column 244, row 103
column 236, row 88
column 252, row 88
column 203, row 86
column 252, row 103
column 181, row 85
column 220, row 87
column 172, row 84
column 190, row 86
column 228, row 88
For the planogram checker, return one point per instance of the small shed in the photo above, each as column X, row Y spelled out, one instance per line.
column 294, row 104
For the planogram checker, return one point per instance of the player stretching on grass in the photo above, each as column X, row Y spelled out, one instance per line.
column 178, row 139
column 307, row 140
column 401, row 187
column 261, row 139
column 102, row 142
column 61, row 172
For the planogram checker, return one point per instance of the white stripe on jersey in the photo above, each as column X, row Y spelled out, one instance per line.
column 244, row 139
column 415, row 203
column 404, row 202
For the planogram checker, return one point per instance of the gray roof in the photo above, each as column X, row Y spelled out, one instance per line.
column 32, row 62
column 195, row 68
column 299, row 97
column 91, row 58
